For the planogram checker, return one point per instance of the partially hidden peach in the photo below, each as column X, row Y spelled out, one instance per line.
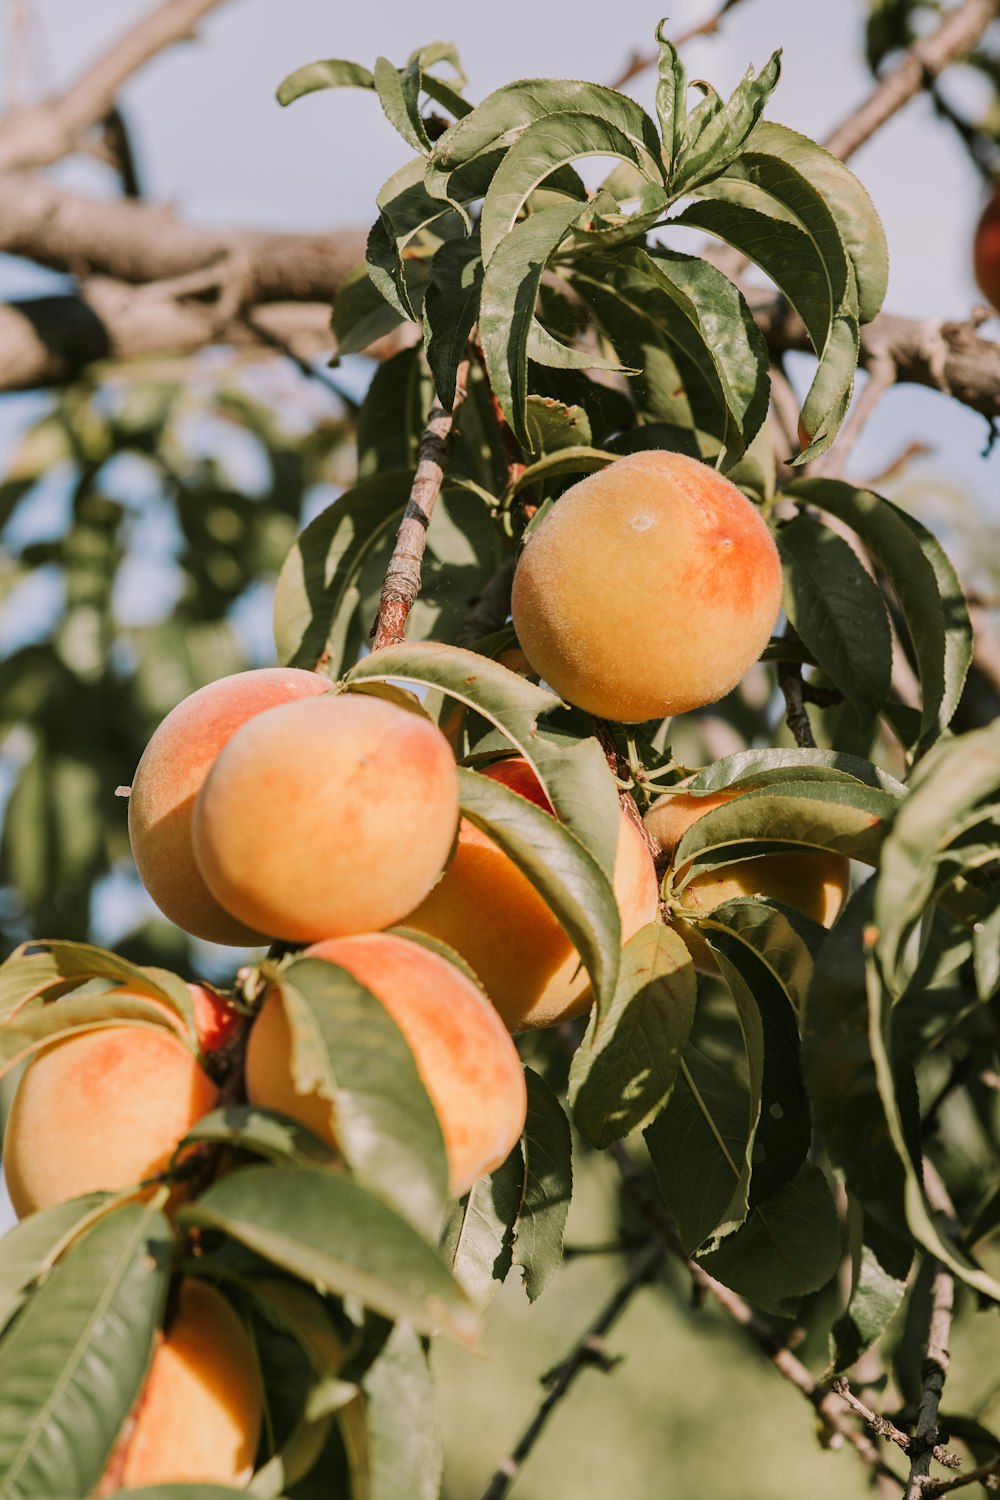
column 327, row 817
column 100, row 1109
column 462, row 1050
column 169, row 777
column 812, row 881
column 492, row 916
column 198, row 1417
column 986, row 250
column 649, row 589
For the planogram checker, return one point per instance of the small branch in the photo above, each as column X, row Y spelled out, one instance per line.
column 988, row 1475
column 886, row 1429
column 796, row 716
column 957, row 35
column 640, row 61
column 823, row 1400
column 402, row 577
column 935, row 1369
column 588, row 1350
column 45, row 132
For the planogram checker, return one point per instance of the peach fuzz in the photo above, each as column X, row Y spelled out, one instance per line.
column 463, row 1052
column 492, row 916
column 327, row 817
column 171, row 774
column 198, row 1417
column 100, row 1109
column 812, row 881
column 649, row 589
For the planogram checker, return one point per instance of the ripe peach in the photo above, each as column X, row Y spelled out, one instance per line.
column 650, row 588
column 492, row 916
column 327, row 817
column 199, row 1413
column 463, row 1052
column 812, row 881
column 215, row 1021
column 986, row 250
column 100, row 1109
column 169, row 777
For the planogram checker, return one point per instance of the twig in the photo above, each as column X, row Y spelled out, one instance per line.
column 402, row 577
column 886, row 1429
column 988, row 1475
column 796, row 716
column 42, row 133
column 935, row 1369
column 929, row 56
column 587, row 1350
column 640, row 61
column 785, row 1362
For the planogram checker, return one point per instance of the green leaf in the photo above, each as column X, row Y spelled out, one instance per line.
column 274, row 1137
column 317, row 592
column 747, row 768
column 788, row 1247
column 575, row 777
column 948, row 791
column 838, row 612
column 30, row 1248
column 621, row 1076
column 880, row 1266
column 451, row 307
column 555, row 427
column 548, row 1187
column 333, row 73
column 45, row 969
column 478, row 1241
column 671, row 100
column 507, row 305
column 399, row 95
column 72, row 1364
column 360, row 313
column 331, row 1232
column 986, row 954
column 563, row 461
column 404, row 1443
column 347, row 1048
column 697, row 1146
column 842, row 816
column 546, row 144
column 723, row 133
column 925, row 584
column 561, row 869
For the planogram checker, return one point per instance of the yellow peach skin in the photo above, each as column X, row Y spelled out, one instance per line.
column 199, row 1414
column 100, row 1109
column 649, row 589
column 492, row 916
column 169, row 777
column 814, row 882
column 463, row 1052
column 326, row 817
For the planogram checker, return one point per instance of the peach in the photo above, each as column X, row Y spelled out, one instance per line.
column 492, row 916
column 812, row 881
column 986, row 250
column 169, row 777
column 216, row 1022
column 198, row 1417
column 463, row 1052
column 326, row 817
column 100, row 1109
column 649, row 589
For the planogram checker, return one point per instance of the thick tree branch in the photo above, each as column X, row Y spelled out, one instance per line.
column 45, row 132
column 402, row 577
column 957, row 34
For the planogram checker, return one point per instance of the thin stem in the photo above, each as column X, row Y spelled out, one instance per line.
column 988, row 1475
column 588, row 1350
column 796, row 717
column 402, row 577
column 936, row 1360
column 640, row 61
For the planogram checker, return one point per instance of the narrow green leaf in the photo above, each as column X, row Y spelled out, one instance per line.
column 507, row 305
column 838, row 612
column 788, row 1247
column 880, row 1266
column 671, row 101
column 451, row 307
column 759, row 767
column 360, row 313
column 30, row 1248
column 715, row 139
column 986, row 954
column 330, row 1232
column 347, row 1048
column 625, row 1073
column 399, row 95
column 72, row 1364
column 560, row 868
column 332, row 73
column 925, row 584
column 274, row 1137
column 697, row 1145
column 548, row 1187
column 54, row 967
column 478, row 1241
column 404, row 1443
column 560, row 463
